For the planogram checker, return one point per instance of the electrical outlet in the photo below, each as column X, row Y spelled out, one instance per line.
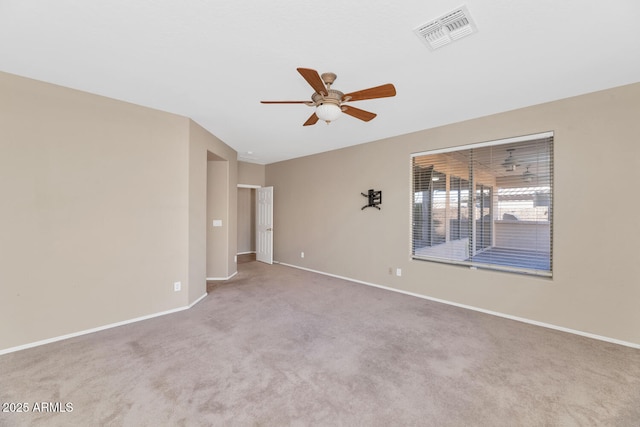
column 301, row 254
column 398, row 272
column 177, row 286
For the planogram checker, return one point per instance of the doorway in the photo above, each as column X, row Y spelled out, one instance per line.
column 255, row 223
column 246, row 223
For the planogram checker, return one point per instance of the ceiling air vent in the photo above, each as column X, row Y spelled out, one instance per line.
column 449, row 27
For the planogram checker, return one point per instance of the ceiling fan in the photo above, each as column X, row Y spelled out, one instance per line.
column 510, row 163
column 528, row 176
column 330, row 103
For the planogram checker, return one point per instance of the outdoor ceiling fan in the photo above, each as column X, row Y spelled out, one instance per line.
column 510, row 163
column 330, row 103
column 528, row 176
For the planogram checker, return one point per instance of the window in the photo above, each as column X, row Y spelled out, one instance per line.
column 486, row 205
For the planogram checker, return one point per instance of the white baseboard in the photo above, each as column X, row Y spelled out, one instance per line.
column 99, row 328
column 222, row 278
column 198, row 300
column 246, row 253
column 482, row 310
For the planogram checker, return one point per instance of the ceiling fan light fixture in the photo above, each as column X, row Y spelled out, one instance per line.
column 328, row 112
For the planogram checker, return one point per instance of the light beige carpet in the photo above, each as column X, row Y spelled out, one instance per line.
column 277, row 346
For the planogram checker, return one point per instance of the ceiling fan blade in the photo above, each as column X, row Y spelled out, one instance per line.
column 313, row 78
column 284, row 102
column 358, row 113
column 383, row 91
column 311, row 120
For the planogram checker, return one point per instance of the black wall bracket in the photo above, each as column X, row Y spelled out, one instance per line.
column 375, row 199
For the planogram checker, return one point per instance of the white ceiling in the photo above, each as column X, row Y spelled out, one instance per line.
column 214, row 60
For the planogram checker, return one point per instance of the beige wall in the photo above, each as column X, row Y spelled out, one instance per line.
column 101, row 206
column 251, row 174
column 596, row 272
column 217, row 245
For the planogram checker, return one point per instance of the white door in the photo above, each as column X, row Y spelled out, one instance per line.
column 264, row 225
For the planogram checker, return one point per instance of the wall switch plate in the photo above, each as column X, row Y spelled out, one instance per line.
column 301, row 254
column 177, row 286
column 398, row 272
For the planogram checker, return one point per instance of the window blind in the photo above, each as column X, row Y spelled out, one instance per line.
column 488, row 205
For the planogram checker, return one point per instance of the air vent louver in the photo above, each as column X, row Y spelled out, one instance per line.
column 449, row 27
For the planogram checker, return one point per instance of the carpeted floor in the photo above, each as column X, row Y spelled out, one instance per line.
column 277, row 346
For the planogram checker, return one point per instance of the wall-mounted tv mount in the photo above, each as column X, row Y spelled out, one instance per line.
column 375, row 199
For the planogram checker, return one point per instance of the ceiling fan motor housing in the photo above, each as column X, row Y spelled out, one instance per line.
column 333, row 97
